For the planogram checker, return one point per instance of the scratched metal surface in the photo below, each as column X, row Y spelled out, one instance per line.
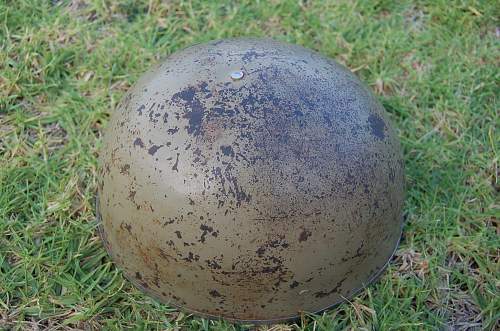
column 250, row 179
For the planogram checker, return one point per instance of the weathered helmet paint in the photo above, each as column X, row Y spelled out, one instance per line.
column 251, row 180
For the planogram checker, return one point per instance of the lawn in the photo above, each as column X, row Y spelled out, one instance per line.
column 64, row 65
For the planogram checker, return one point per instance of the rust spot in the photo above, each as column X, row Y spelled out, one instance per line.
column 304, row 235
column 212, row 130
column 127, row 227
column 165, row 255
column 124, row 170
column 156, row 278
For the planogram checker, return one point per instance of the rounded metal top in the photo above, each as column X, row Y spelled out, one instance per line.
column 253, row 201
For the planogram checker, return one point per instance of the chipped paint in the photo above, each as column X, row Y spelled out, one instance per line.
column 251, row 199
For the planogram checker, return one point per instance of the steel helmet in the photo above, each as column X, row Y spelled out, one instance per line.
column 251, row 180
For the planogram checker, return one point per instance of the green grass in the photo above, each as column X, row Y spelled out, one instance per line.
column 65, row 65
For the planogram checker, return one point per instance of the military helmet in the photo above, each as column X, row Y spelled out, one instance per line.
column 251, row 180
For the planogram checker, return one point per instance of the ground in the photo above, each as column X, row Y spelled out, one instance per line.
column 64, row 65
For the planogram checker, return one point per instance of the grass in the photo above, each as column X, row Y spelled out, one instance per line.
column 64, row 65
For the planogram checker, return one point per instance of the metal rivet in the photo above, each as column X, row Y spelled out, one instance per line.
column 237, row 75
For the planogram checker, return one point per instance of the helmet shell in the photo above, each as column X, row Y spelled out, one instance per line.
column 252, row 180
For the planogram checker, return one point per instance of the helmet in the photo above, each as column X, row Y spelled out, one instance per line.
column 251, row 180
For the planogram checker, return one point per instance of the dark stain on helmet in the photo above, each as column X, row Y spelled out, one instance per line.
column 377, row 126
column 304, row 235
column 252, row 54
column 227, row 151
column 279, row 243
column 205, row 230
column 213, row 264
column 175, row 166
column 191, row 257
column 355, row 255
column 153, row 149
column 215, row 294
column 138, row 142
column 164, row 255
column 195, row 109
column 195, row 118
column 156, row 276
column 153, row 117
column 321, row 294
column 229, row 186
column 173, row 130
column 127, row 227
column 124, row 170
column 140, row 109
